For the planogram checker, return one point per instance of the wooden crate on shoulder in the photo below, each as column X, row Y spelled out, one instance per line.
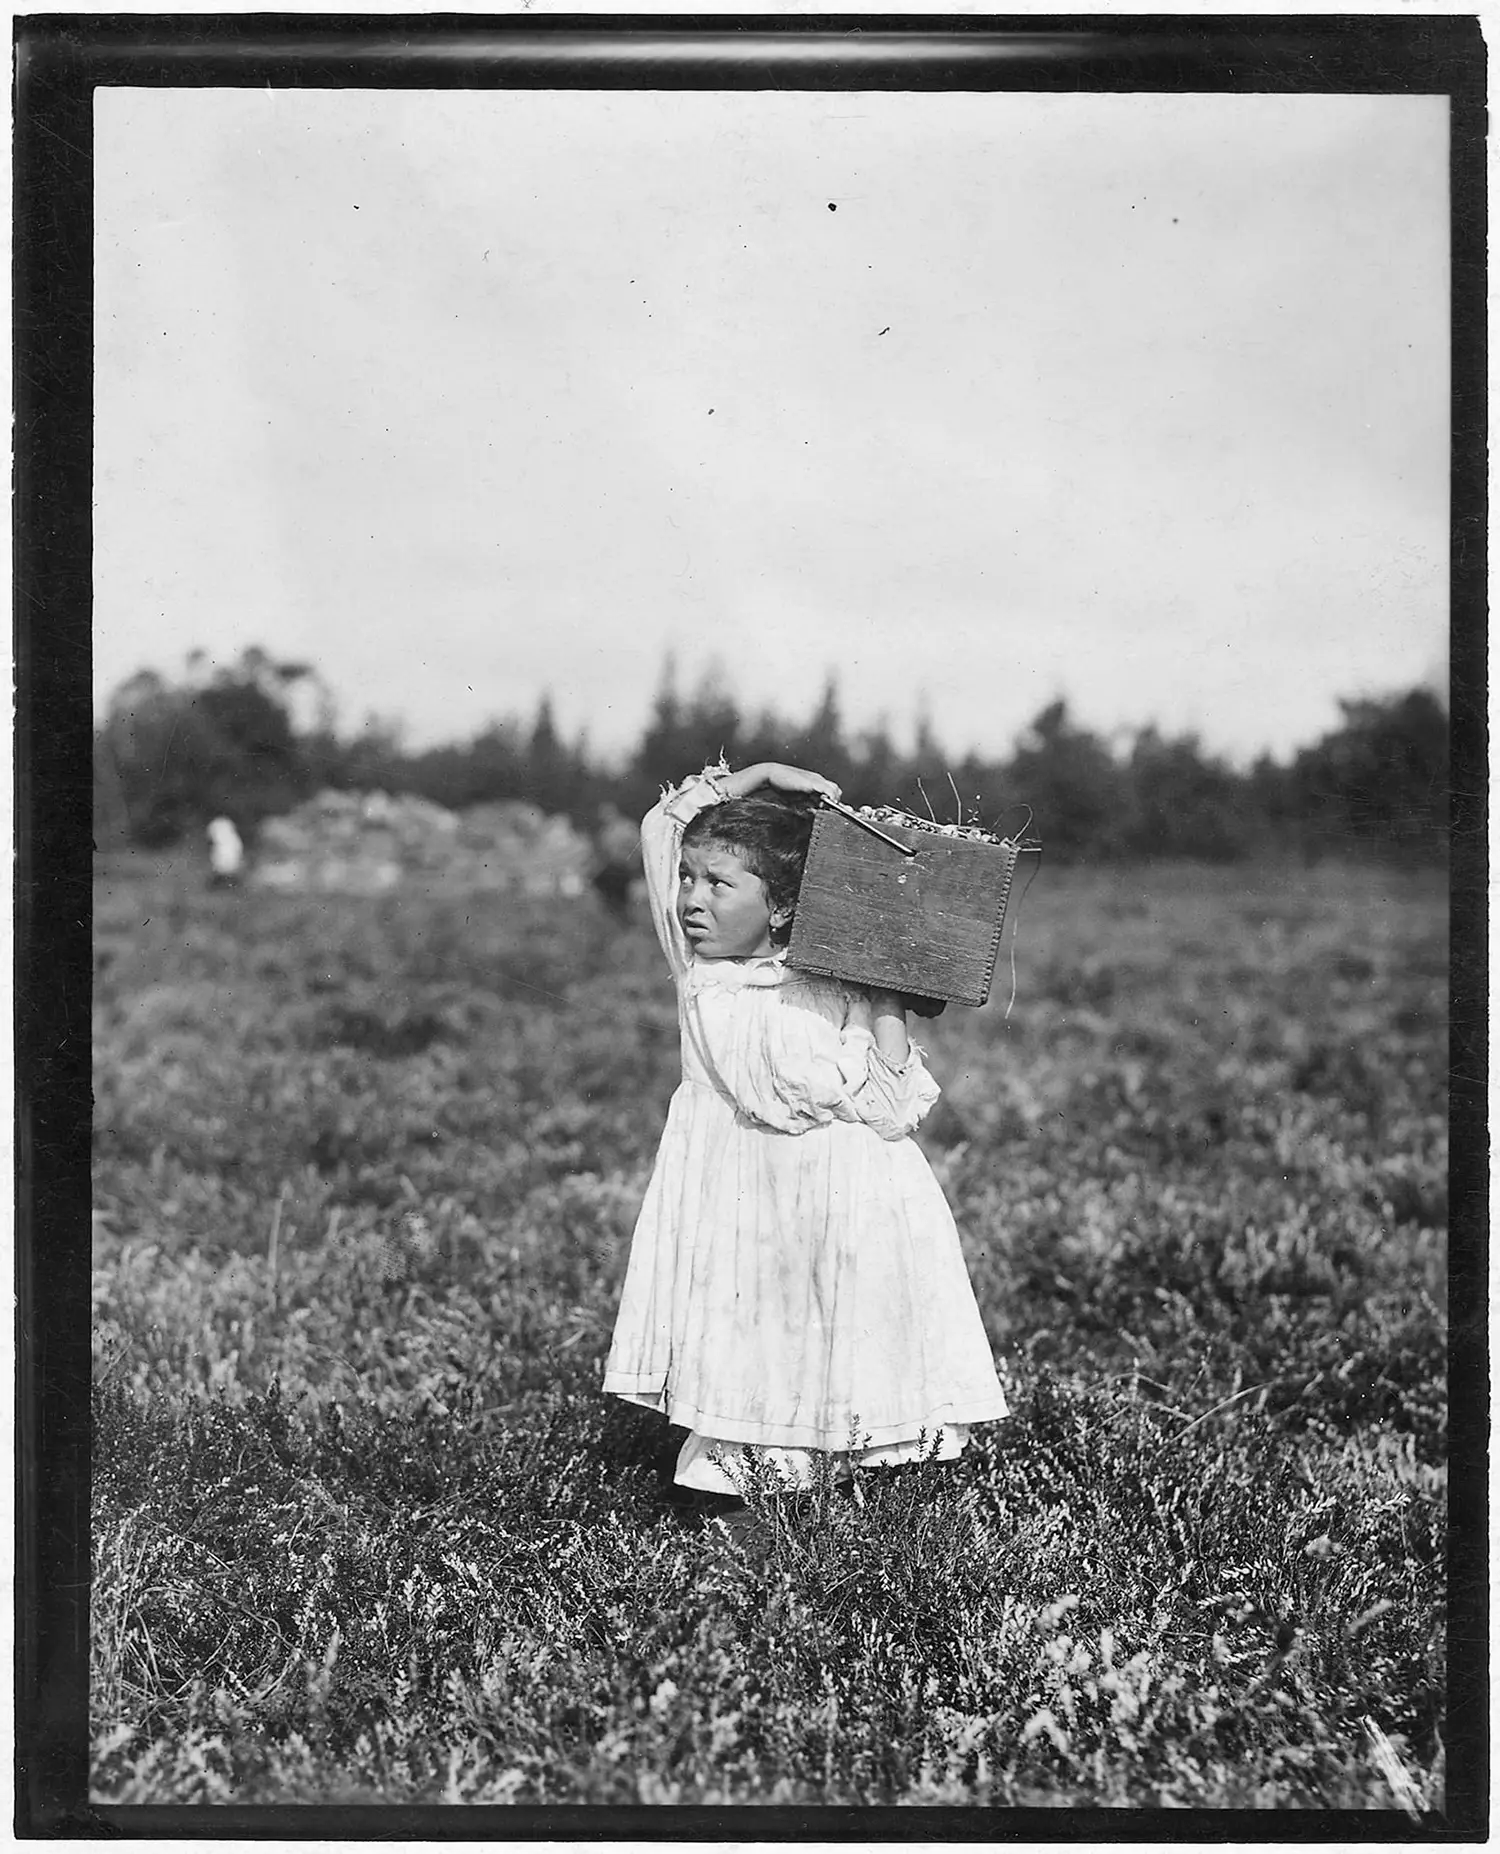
column 928, row 923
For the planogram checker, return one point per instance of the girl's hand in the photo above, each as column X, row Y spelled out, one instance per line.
column 912, row 1002
column 924, row 1007
column 783, row 778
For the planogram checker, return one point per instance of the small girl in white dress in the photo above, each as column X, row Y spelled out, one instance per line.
column 795, row 1280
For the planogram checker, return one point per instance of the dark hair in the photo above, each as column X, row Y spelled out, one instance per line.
column 770, row 834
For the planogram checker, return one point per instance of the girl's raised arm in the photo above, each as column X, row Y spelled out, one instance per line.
column 783, row 778
column 663, row 825
column 661, row 854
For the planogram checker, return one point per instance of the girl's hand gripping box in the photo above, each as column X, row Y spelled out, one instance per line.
column 907, row 909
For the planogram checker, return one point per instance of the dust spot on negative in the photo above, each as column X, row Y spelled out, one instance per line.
column 832, row 207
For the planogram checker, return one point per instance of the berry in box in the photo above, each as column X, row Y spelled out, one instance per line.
column 910, row 909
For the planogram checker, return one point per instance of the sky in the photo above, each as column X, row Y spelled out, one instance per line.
column 971, row 401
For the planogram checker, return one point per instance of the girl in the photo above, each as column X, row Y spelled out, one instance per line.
column 795, row 1280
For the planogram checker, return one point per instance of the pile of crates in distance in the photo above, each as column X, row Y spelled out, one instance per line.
column 370, row 843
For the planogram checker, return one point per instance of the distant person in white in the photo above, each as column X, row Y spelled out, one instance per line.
column 226, row 854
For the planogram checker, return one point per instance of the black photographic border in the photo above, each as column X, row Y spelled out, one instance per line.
column 59, row 61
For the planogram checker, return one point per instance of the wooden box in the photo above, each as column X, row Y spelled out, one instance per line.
column 928, row 923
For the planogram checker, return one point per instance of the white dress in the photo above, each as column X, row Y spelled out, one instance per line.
column 795, row 1279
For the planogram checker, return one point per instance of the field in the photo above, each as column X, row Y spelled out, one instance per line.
column 365, row 1529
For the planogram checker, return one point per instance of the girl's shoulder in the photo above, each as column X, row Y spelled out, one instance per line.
column 833, row 996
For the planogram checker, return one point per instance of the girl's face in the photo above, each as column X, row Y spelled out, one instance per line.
column 722, row 905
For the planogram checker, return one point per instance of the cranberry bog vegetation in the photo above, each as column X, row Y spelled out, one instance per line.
column 366, row 1530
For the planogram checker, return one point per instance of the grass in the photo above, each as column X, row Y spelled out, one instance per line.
column 365, row 1529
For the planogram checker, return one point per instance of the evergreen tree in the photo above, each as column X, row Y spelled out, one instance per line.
column 1271, row 803
column 178, row 754
column 1380, row 781
column 712, row 724
column 546, row 758
column 765, row 738
column 877, row 773
column 375, row 759
column 662, row 754
column 820, row 744
column 1069, row 778
column 1183, row 803
column 491, row 768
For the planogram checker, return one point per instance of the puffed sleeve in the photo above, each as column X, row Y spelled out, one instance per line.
column 661, row 851
column 790, row 1066
column 892, row 1097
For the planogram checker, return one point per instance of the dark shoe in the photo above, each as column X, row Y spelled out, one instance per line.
column 692, row 1508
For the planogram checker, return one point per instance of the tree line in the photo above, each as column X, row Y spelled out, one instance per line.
column 252, row 739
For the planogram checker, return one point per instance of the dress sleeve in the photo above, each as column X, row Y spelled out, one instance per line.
column 788, row 1066
column 892, row 1097
column 661, row 851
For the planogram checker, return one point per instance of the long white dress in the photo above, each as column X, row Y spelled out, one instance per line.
column 795, row 1280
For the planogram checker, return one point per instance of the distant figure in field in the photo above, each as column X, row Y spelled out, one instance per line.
column 226, row 854
column 617, row 861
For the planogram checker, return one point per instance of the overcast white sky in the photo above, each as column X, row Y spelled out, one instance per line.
column 470, row 395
